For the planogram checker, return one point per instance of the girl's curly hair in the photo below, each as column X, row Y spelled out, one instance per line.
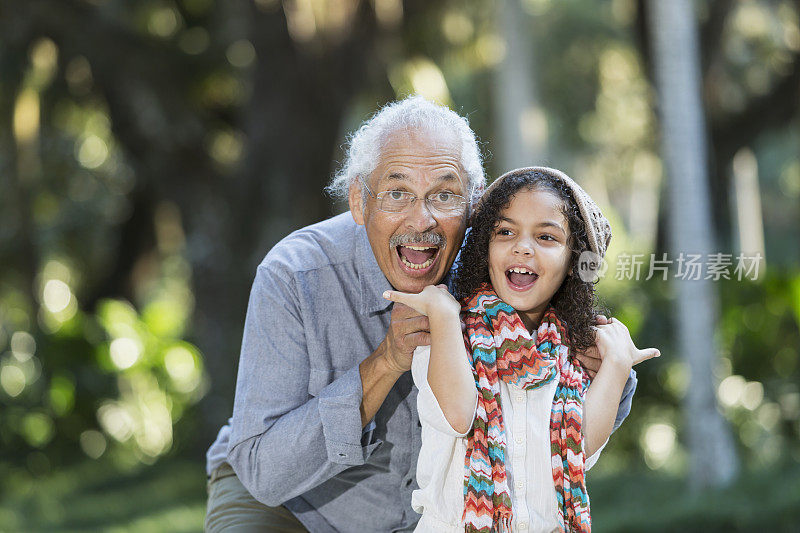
column 575, row 301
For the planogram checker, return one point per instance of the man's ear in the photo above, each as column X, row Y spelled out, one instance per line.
column 472, row 203
column 475, row 198
column 355, row 198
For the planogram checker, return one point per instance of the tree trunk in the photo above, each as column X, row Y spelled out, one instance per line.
column 673, row 28
column 521, row 124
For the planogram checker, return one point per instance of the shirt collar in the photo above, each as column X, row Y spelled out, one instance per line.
column 373, row 281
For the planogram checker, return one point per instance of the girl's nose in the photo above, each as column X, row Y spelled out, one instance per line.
column 523, row 247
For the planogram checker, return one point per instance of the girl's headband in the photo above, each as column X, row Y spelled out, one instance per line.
column 598, row 229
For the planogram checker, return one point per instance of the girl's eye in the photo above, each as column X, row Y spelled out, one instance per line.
column 504, row 231
column 547, row 237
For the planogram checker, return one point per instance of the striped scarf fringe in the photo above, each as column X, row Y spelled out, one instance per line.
column 500, row 347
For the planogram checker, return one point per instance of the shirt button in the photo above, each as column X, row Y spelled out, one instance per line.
column 523, row 525
column 519, row 440
column 520, row 484
column 520, row 398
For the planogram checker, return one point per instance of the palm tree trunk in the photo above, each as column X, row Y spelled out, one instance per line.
column 713, row 460
column 521, row 124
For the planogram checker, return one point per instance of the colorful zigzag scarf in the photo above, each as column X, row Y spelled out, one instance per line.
column 500, row 347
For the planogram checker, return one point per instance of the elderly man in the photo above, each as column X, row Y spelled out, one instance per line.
column 325, row 431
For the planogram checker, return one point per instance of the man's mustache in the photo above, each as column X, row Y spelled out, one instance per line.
column 416, row 238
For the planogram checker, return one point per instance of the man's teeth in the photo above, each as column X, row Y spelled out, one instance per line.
column 521, row 270
column 415, row 266
column 418, row 248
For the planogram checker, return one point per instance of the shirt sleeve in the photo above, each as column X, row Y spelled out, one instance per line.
column 627, row 399
column 591, row 460
column 284, row 439
column 430, row 412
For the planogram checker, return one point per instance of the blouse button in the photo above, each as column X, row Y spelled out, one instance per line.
column 520, row 398
column 520, row 484
column 519, row 440
column 523, row 525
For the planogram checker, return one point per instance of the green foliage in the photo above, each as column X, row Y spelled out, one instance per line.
column 757, row 376
column 114, row 380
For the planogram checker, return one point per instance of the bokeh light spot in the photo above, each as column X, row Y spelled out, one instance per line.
column 92, row 152
column 241, row 53
column 26, row 116
column 12, row 379
column 124, row 352
column 658, row 441
column 93, row 443
column 23, row 345
column 752, row 395
column 56, row 295
column 38, row 429
column 163, row 22
column 115, row 421
column 730, row 390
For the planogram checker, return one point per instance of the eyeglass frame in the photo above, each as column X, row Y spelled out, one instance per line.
column 427, row 204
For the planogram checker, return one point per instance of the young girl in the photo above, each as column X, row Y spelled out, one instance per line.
column 509, row 419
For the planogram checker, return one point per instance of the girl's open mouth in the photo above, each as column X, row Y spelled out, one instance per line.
column 521, row 278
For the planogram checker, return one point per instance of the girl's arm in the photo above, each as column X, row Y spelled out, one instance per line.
column 449, row 372
column 600, row 406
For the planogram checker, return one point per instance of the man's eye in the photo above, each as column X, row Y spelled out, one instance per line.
column 396, row 195
column 444, row 196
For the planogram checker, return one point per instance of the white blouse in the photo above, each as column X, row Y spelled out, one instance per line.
column 441, row 470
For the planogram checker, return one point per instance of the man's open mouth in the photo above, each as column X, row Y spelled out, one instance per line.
column 521, row 278
column 417, row 257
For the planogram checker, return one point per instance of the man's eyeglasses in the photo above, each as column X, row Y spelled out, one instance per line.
column 444, row 203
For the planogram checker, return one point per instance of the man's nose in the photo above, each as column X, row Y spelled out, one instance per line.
column 419, row 216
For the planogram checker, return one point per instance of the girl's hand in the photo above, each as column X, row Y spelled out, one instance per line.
column 432, row 300
column 614, row 344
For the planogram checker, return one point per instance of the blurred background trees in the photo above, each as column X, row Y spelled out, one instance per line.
column 152, row 151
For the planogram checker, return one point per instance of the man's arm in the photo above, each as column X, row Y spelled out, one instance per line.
column 591, row 360
column 379, row 372
column 285, row 441
column 605, row 396
column 449, row 373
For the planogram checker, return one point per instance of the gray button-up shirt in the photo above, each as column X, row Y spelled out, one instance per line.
column 316, row 311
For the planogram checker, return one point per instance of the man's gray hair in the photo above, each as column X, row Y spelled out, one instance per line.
column 412, row 113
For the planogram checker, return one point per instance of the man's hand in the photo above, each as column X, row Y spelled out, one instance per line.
column 407, row 330
column 612, row 339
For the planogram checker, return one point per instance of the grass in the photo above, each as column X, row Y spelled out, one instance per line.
column 171, row 496
column 100, row 496
column 767, row 500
